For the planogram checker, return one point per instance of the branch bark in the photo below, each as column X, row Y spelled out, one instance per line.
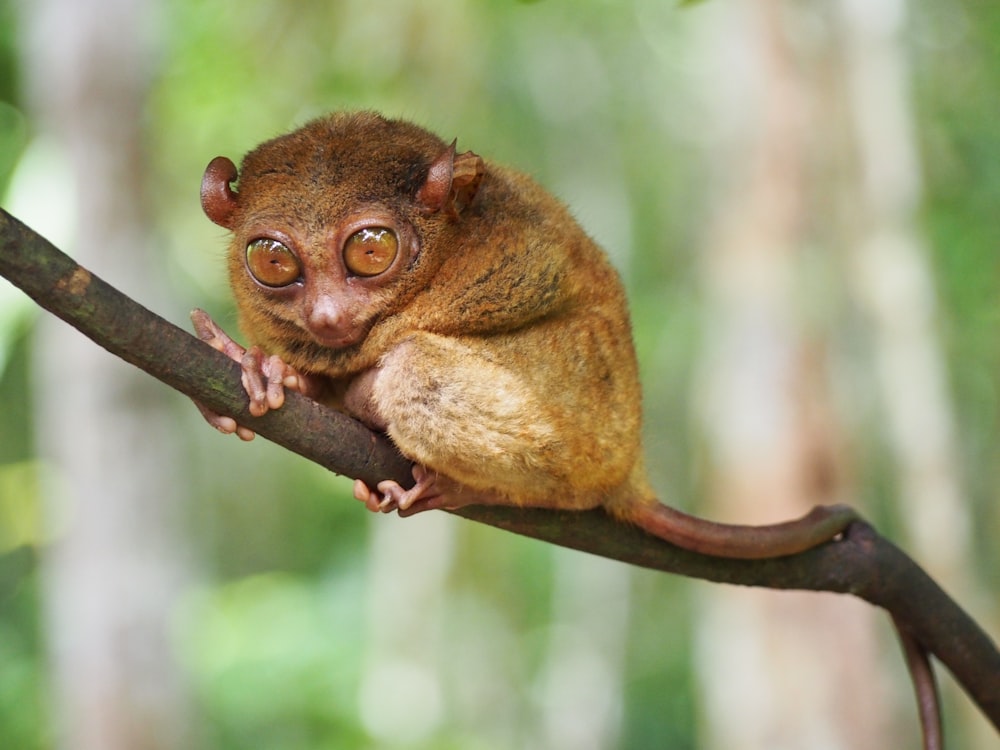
column 862, row 563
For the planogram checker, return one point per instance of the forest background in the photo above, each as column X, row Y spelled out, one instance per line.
column 801, row 198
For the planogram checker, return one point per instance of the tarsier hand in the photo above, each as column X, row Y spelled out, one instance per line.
column 264, row 377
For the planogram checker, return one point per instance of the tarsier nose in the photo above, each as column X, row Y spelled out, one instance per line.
column 328, row 323
column 325, row 314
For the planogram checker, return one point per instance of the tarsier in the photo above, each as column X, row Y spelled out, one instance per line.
column 456, row 306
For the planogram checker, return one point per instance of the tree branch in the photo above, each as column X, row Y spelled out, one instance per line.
column 863, row 563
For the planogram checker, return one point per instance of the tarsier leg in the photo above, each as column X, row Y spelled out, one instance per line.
column 472, row 428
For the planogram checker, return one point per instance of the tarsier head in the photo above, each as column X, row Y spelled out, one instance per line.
column 332, row 223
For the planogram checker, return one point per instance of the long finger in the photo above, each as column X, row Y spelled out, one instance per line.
column 210, row 332
column 276, row 371
column 254, row 382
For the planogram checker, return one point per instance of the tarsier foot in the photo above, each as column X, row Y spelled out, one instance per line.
column 431, row 491
column 264, row 377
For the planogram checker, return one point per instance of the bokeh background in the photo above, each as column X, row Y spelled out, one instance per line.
column 802, row 197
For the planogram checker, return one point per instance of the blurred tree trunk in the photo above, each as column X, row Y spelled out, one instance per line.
column 403, row 693
column 889, row 274
column 777, row 670
column 114, row 491
column 583, row 674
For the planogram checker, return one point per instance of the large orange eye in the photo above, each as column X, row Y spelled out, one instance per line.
column 370, row 251
column 272, row 264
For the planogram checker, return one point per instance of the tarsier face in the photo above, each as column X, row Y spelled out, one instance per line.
column 327, row 284
column 324, row 282
column 325, row 225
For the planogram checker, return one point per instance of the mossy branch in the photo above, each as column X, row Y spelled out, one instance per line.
column 862, row 563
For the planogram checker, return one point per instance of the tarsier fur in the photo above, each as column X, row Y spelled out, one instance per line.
column 495, row 349
column 455, row 305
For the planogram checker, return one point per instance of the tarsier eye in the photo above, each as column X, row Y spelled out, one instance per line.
column 272, row 264
column 370, row 251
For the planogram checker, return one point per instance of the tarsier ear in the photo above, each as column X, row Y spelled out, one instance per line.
column 218, row 200
column 452, row 181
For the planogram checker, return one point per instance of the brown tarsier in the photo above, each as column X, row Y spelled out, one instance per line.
column 456, row 306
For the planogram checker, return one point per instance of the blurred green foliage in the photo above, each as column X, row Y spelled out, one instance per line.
column 592, row 97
